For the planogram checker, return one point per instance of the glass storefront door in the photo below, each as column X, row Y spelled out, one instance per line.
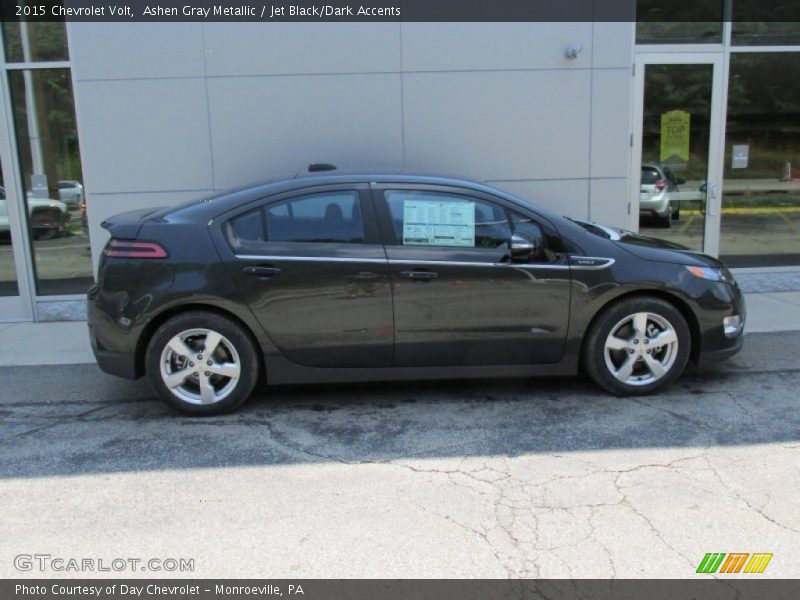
column 677, row 184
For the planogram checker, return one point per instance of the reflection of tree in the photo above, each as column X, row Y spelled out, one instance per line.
column 52, row 93
column 678, row 87
column 678, row 21
column 764, row 112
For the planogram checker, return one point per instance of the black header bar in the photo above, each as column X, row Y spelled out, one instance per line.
column 401, row 10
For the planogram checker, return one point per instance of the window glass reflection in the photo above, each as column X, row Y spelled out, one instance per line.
column 761, row 187
column 8, row 274
column 35, row 41
column 679, row 21
column 759, row 23
column 47, row 138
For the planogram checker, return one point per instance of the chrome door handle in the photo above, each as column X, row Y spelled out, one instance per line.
column 418, row 275
column 262, row 272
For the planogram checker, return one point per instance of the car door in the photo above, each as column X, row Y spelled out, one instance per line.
column 311, row 267
column 458, row 297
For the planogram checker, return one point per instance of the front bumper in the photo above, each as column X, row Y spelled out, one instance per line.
column 711, row 357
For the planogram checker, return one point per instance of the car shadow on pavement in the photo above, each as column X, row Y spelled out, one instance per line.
column 73, row 420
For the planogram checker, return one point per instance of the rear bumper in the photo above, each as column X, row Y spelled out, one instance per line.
column 121, row 364
column 116, row 363
column 660, row 208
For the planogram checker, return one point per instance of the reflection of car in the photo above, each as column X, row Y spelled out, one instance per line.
column 70, row 192
column 386, row 277
column 48, row 218
column 658, row 184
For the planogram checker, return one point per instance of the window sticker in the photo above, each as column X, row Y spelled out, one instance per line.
column 438, row 223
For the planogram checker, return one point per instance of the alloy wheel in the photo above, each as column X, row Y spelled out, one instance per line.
column 641, row 349
column 200, row 366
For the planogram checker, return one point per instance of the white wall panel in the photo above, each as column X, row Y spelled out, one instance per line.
column 564, row 196
column 482, row 46
column 144, row 135
column 301, row 48
column 611, row 122
column 263, row 126
column 132, row 50
column 612, row 44
column 609, row 204
column 498, row 125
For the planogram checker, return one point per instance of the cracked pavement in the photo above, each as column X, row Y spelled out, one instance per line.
column 519, row 478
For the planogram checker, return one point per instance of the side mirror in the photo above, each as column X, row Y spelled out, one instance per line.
column 523, row 247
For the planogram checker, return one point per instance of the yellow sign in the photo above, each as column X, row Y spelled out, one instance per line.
column 675, row 136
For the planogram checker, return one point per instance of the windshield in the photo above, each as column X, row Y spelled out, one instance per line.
column 597, row 229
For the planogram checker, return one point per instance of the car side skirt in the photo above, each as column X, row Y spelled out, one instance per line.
column 283, row 372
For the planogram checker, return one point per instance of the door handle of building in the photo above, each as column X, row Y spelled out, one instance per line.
column 262, row 272
column 418, row 275
column 713, row 193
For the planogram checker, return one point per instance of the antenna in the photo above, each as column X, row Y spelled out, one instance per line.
column 317, row 167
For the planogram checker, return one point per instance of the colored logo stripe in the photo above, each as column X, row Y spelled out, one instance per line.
column 758, row 563
column 734, row 562
column 713, row 562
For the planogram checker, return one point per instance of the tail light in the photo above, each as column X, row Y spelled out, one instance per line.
column 134, row 249
column 660, row 185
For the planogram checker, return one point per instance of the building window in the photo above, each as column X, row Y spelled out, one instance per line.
column 35, row 41
column 700, row 21
column 49, row 156
column 761, row 188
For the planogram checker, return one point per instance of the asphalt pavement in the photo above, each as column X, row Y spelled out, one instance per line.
column 521, row 478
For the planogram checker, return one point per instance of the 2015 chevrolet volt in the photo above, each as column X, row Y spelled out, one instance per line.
column 343, row 278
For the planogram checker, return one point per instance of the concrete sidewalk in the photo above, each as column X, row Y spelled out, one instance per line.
column 67, row 343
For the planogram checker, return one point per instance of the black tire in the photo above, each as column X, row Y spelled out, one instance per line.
column 594, row 350
column 45, row 233
column 243, row 348
column 665, row 222
column 42, row 224
column 676, row 215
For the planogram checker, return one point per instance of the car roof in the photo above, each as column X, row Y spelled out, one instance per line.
column 230, row 199
column 210, row 208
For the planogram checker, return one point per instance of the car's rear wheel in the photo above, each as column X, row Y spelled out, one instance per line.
column 202, row 363
column 637, row 346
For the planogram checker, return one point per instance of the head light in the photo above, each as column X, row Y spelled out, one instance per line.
column 712, row 273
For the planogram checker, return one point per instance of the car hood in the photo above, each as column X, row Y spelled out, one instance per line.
column 658, row 250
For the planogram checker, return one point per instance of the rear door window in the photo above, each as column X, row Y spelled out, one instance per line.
column 650, row 175
column 330, row 217
column 333, row 217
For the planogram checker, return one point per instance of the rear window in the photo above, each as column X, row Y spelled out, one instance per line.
column 650, row 175
column 333, row 217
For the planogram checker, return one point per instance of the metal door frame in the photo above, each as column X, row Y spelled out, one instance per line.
column 716, row 144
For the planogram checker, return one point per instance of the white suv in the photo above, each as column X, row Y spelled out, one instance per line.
column 48, row 218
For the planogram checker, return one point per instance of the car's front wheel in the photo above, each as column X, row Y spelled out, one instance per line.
column 202, row 363
column 637, row 346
